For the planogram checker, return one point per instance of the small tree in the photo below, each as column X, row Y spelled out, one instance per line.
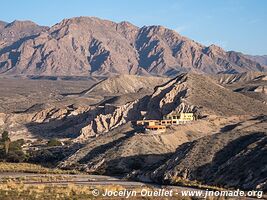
column 6, row 140
column 5, row 136
column 17, row 144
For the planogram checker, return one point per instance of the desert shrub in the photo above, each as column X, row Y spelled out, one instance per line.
column 16, row 156
column 5, row 136
column 42, row 156
column 53, row 142
column 32, row 168
column 11, row 151
column 47, row 157
column 16, row 145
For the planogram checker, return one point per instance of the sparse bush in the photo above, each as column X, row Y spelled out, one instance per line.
column 53, row 142
column 5, row 140
column 5, row 136
column 11, row 151
column 42, row 156
column 48, row 157
column 16, row 145
column 32, row 168
column 16, row 156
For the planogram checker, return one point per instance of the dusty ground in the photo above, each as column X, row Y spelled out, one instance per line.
column 20, row 94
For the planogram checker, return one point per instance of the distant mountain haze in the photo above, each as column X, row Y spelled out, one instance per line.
column 260, row 59
column 85, row 46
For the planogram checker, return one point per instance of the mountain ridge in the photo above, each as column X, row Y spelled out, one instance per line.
column 84, row 46
column 260, row 59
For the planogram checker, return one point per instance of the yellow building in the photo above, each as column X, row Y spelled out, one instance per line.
column 187, row 116
column 147, row 122
column 165, row 122
column 168, row 120
column 171, row 117
column 180, row 117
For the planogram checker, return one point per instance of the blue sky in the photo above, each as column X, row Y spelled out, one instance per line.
column 232, row 24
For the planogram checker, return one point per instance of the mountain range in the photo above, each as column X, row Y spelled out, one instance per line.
column 260, row 59
column 89, row 46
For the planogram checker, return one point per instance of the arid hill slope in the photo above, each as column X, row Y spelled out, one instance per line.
column 124, row 84
column 124, row 150
column 252, row 84
column 118, row 149
column 99, row 137
column 235, row 157
column 186, row 93
column 85, row 46
column 245, row 77
column 89, row 115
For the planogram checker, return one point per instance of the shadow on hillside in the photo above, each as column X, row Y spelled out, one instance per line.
column 143, row 162
column 261, row 118
column 67, row 127
column 71, row 125
column 239, row 163
column 230, row 127
column 105, row 147
column 121, row 165
column 52, row 156
column 14, row 55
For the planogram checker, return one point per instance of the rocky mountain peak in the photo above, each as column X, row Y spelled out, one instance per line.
column 85, row 46
column 19, row 23
column 18, row 31
column 127, row 25
column 214, row 49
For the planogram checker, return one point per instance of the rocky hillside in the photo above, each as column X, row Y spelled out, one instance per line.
column 260, row 59
column 121, row 89
column 235, row 157
column 124, row 84
column 90, row 46
column 17, row 32
column 2, row 25
column 123, row 150
column 101, row 139
column 234, row 136
column 226, row 79
column 252, row 84
column 198, row 93
column 185, row 93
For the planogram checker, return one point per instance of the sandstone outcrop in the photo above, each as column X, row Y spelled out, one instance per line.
column 186, row 93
